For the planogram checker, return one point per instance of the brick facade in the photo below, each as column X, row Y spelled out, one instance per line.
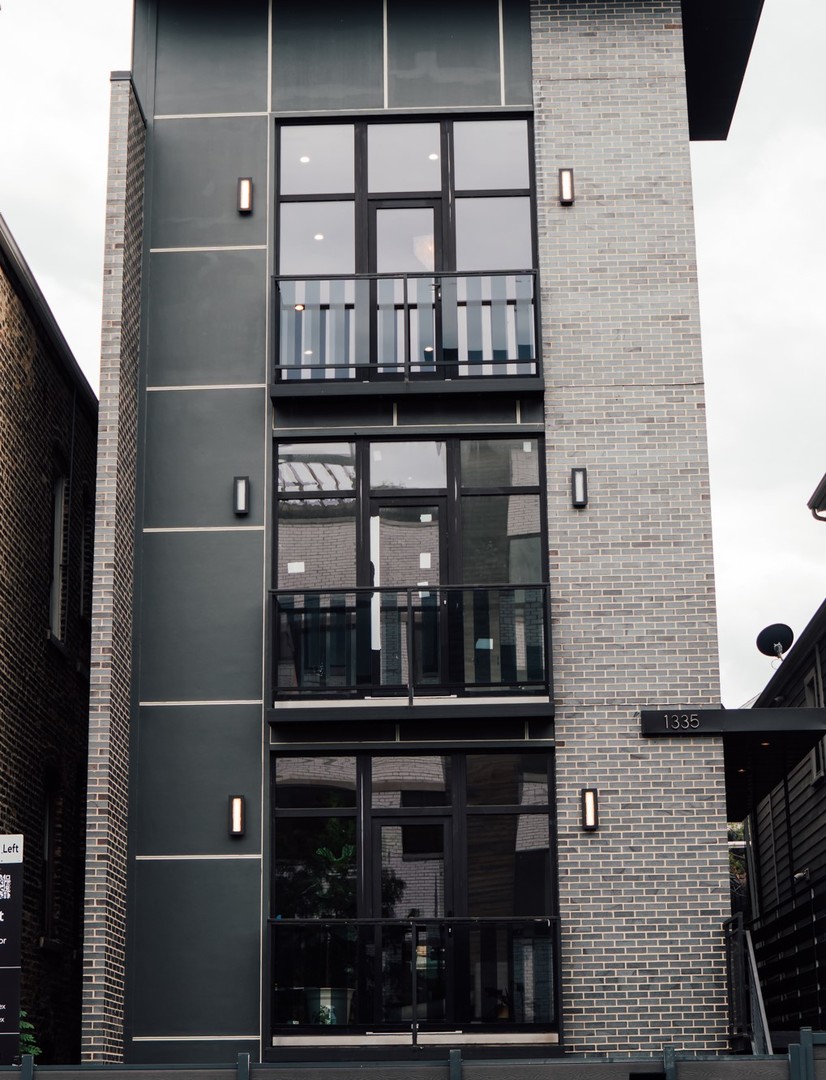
column 642, row 899
column 105, row 913
column 47, row 432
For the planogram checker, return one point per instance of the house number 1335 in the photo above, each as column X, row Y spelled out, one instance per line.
column 681, row 721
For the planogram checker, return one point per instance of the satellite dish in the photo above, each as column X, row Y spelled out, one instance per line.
column 775, row 639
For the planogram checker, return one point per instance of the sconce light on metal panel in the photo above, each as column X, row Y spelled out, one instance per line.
column 566, row 187
column 590, row 809
column 244, row 194
column 237, row 815
column 579, row 488
column 241, row 495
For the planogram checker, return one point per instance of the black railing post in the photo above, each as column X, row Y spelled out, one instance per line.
column 411, row 659
column 455, row 1065
column 414, row 1004
column 242, row 1068
column 406, row 301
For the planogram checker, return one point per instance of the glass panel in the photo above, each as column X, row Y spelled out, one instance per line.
column 499, row 463
column 404, row 157
column 408, row 465
column 317, row 238
column 315, row 974
column 508, row 865
column 327, row 55
column 316, row 467
column 401, row 948
column 324, row 328
column 404, row 240
column 493, row 234
column 501, row 539
column 317, row 159
column 315, row 868
column 411, row 781
column 412, row 871
column 316, row 543
column 404, row 546
column 491, row 154
column 511, row 973
column 443, row 54
column 315, row 782
column 507, row 779
column 503, row 639
column 317, row 639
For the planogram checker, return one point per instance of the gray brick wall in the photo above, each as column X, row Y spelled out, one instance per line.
column 642, row 900
column 112, row 600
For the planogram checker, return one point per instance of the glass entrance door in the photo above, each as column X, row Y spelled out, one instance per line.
column 412, row 894
column 407, row 560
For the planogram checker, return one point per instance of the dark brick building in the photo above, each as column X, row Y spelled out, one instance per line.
column 48, row 425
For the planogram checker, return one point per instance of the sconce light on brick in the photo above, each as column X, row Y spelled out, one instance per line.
column 566, row 187
column 245, row 195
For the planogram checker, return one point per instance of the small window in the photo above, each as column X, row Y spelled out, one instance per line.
column 813, row 699
column 87, row 542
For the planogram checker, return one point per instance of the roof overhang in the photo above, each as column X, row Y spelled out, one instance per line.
column 717, row 38
column 760, row 746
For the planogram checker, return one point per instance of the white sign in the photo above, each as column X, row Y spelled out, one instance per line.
column 11, row 848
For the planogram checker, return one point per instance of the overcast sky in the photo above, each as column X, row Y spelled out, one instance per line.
column 761, row 234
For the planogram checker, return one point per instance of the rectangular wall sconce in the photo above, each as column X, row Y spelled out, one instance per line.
column 241, row 495
column 245, row 195
column 579, row 488
column 566, row 187
column 590, row 809
column 237, row 815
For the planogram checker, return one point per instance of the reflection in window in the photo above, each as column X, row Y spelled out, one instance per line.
column 317, row 159
column 499, row 463
column 317, row 238
column 491, row 154
column 411, row 781
column 404, row 157
column 493, row 234
column 316, row 467
column 408, row 465
column 315, row 868
column 316, row 543
column 508, row 865
column 506, row 779
column 501, row 539
column 313, row 782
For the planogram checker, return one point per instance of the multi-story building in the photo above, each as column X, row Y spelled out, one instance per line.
column 403, row 462
column 48, row 422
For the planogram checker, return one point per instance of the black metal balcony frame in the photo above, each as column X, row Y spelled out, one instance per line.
column 353, row 611
column 445, row 363
column 368, row 941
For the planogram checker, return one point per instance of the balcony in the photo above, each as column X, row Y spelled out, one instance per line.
column 412, row 644
column 497, row 980
column 472, row 331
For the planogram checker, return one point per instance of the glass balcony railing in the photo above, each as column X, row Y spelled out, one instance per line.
column 411, row 326
column 416, row 976
column 415, row 641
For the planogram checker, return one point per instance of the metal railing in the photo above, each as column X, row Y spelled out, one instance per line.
column 424, row 640
column 414, row 974
column 411, row 326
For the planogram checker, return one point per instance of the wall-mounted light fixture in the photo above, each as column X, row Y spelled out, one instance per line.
column 590, row 809
column 241, row 495
column 237, row 815
column 566, row 187
column 244, row 194
column 579, row 488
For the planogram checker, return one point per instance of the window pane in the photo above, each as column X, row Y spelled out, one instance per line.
column 501, row 539
column 508, row 865
column 404, row 240
column 499, row 463
column 316, row 544
column 317, row 159
column 317, row 238
column 411, row 781
column 316, row 467
column 507, row 779
column 327, row 55
column 493, row 234
column 315, row 782
column 315, row 868
column 443, row 54
column 408, row 465
column 491, row 154
column 404, row 157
